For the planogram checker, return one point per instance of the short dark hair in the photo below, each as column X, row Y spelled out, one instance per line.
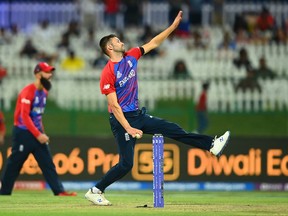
column 103, row 42
column 205, row 85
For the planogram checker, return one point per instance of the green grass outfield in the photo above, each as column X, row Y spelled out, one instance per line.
column 59, row 122
column 126, row 202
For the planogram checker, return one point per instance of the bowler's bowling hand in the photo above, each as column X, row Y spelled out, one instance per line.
column 135, row 133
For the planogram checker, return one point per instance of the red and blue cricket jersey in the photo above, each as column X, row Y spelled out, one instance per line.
column 121, row 77
column 202, row 102
column 2, row 123
column 30, row 107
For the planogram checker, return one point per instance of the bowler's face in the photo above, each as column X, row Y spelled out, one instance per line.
column 117, row 45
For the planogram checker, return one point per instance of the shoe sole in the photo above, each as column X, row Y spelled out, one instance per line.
column 227, row 141
column 97, row 203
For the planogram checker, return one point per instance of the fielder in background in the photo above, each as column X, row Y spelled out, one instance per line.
column 119, row 83
column 2, row 128
column 28, row 134
column 201, row 109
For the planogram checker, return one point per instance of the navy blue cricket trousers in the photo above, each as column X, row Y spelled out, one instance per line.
column 202, row 121
column 149, row 125
column 23, row 144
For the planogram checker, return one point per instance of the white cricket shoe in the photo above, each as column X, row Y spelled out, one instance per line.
column 219, row 144
column 97, row 198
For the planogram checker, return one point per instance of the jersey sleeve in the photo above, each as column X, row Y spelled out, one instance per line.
column 107, row 80
column 26, row 99
column 135, row 52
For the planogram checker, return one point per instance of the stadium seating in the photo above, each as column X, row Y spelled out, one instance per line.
column 81, row 90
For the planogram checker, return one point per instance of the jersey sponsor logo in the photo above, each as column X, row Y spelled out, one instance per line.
column 119, row 74
column 107, row 86
column 125, row 79
column 130, row 63
column 36, row 100
column 38, row 110
column 25, row 101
